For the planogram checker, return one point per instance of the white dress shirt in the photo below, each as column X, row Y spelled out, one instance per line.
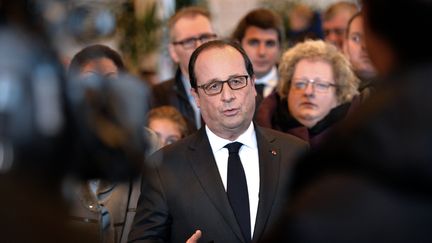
column 249, row 157
column 269, row 80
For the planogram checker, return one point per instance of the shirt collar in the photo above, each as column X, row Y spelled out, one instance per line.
column 248, row 138
column 269, row 79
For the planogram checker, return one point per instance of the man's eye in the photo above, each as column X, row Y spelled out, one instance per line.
column 270, row 43
column 253, row 42
column 235, row 81
column 356, row 38
column 213, row 86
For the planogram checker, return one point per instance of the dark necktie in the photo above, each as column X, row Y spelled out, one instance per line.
column 260, row 89
column 237, row 189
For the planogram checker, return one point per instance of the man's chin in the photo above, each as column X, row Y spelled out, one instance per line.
column 259, row 73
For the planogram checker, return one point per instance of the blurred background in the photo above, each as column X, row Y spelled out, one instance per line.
column 136, row 28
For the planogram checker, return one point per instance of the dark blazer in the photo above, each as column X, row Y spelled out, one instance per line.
column 183, row 192
column 172, row 92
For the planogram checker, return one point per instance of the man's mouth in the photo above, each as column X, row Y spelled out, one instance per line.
column 230, row 112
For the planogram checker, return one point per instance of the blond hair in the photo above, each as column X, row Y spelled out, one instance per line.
column 345, row 79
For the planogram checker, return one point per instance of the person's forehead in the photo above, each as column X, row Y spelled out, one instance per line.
column 260, row 33
column 356, row 25
column 219, row 60
column 219, row 51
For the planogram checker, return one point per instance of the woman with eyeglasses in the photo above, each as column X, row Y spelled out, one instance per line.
column 315, row 91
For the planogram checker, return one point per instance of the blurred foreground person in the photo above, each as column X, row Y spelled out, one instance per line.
column 103, row 206
column 372, row 183
column 35, row 132
column 51, row 131
column 35, row 138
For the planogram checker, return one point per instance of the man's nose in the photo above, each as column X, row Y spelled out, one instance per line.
column 227, row 93
column 262, row 49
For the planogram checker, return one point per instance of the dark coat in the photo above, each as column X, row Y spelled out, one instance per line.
column 273, row 113
column 172, row 92
column 372, row 182
column 184, row 192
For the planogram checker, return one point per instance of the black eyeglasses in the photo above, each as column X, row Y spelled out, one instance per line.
column 191, row 43
column 215, row 87
column 317, row 84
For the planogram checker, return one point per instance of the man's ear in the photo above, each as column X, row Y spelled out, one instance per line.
column 173, row 53
column 195, row 95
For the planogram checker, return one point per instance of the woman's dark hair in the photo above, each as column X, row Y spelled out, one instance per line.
column 91, row 53
column 212, row 45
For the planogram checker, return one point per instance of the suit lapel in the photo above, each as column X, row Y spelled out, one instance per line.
column 269, row 163
column 204, row 165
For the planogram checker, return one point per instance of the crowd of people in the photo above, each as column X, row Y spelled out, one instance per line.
column 317, row 133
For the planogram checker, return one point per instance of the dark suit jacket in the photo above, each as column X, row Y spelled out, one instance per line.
column 172, row 92
column 183, row 192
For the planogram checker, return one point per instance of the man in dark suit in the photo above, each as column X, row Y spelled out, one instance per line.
column 189, row 184
column 188, row 29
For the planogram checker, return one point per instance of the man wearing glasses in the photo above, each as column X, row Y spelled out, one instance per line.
column 188, row 28
column 225, row 182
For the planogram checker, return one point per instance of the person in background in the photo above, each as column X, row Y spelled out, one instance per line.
column 188, row 28
column 372, row 180
column 224, row 181
column 261, row 34
column 314, row 92
column 355, row 50
column 168, row 123
column 304, row 24
column 335, row 22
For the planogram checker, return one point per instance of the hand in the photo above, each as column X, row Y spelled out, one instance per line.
column 195, row 237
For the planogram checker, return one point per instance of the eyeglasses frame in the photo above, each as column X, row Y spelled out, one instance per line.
column 202, row 86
